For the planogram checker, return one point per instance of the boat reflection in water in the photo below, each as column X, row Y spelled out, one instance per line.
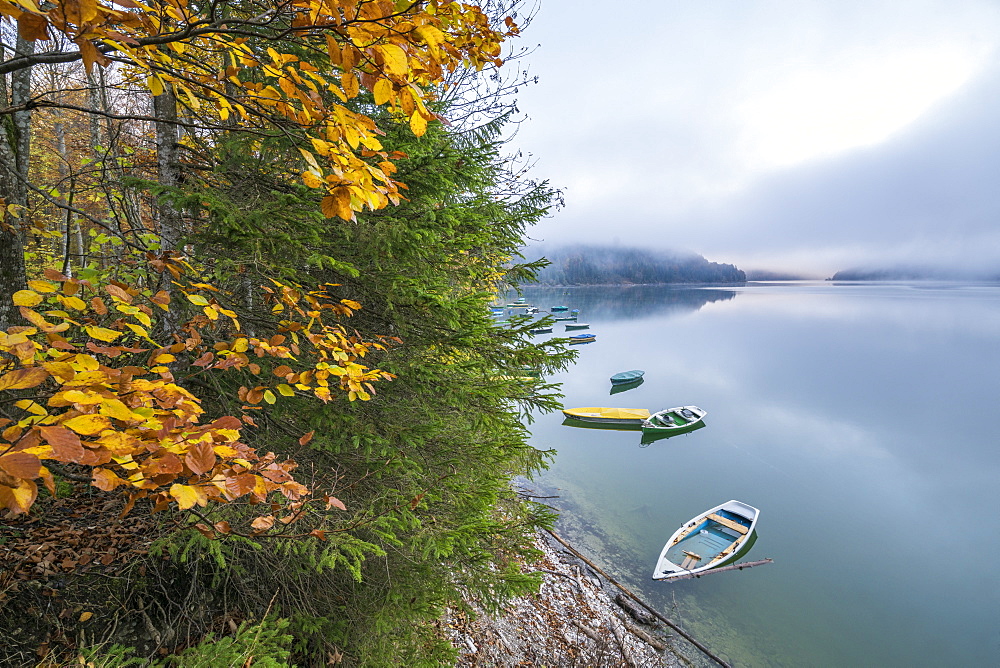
column 647, row 438
column 625, row 387
column 583, row 424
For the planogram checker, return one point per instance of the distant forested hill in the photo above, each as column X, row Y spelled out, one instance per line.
column 596, row 265
column 910, row 273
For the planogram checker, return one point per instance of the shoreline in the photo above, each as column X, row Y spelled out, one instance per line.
column 577, row 618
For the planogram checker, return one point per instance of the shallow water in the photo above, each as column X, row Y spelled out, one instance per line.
column 860, row 419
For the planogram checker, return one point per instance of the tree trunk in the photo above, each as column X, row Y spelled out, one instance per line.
column 15, row 143
column 12, row 274
column 168, row 174
column 168, row 166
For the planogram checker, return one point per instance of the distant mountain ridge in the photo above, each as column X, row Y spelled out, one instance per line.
column 602, row 265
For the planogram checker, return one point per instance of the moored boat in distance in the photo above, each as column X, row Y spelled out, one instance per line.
column 674, row 420
column 619, row 416
column 582, row 338
column 555, row 309
column 540, row 330
column 708, row 540
column 626, row 376
column 577, row 325
column 565, row 317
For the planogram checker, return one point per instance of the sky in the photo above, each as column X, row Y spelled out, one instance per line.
column 806, row 136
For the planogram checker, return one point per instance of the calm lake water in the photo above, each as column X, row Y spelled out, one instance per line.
column 861, row 419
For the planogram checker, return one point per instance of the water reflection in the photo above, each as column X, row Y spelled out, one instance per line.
column 583, row 424
column 625, row 387
column 823, row 402
column 647, row 437
column 602, row 302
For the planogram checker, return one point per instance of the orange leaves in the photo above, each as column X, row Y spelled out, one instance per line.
column 397, row 50
column 21, row 465
column 106, row 480
column 32, row 27
column 262, row 524
column 138, row 431
column 200, row 458
column 66, row 445
column 338, row 204
column 19, row 497
column 20, row 379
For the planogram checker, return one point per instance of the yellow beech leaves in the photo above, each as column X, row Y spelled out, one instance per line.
column 95, row 390
column 295, row 63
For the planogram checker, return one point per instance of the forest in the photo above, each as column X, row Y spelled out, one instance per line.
column 603, row 265
column 253, row 410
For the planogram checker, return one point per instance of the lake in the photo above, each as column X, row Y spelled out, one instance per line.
column 861, row 419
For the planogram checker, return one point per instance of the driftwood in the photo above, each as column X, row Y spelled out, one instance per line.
column 655, row 643
column 684, row 634
column 587, row 631
column 634, row 611
column 616, row 629
column 723, row 569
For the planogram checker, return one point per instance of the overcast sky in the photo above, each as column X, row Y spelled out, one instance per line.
column 791, row 135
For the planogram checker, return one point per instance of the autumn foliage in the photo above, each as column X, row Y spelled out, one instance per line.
column 95, row 387
column 133, row 423
column 224, row 226
column 246, row 64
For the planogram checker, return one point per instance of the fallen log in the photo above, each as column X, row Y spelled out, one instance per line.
column 655, row 643
column 684, row 634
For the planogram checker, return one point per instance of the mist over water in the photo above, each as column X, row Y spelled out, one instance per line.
column 858, row 418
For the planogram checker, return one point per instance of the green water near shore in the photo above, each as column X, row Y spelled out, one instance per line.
column 858, row 418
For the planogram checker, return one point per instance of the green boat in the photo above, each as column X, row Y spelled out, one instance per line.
column 577, row 325
column 674, row 420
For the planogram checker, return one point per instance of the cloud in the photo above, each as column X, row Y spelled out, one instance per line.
column 927, row 196
column 809, row 135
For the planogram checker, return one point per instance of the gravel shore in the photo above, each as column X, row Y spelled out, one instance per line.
column 577, row 619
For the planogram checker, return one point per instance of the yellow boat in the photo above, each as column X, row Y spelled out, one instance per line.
column 608, row 415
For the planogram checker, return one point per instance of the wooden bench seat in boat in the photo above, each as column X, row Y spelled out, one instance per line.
column 690, row 560
column 735, row 526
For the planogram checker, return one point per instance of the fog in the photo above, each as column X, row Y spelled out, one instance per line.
column 793, row 136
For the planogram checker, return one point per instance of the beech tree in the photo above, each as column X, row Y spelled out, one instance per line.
column 212, row 69
column 275, row 223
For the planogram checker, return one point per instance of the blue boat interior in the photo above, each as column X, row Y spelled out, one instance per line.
column 706, row 541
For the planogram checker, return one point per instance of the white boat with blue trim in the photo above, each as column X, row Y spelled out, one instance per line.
column 710, row 539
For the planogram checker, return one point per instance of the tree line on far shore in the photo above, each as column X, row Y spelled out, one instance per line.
column 595, row 265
